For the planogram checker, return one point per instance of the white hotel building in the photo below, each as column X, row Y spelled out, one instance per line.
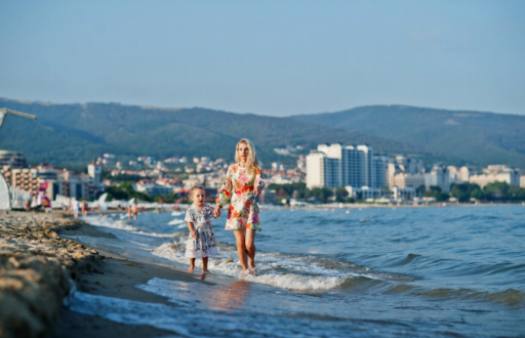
column 336, row 166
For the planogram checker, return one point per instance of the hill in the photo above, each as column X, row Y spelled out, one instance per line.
column 458, row 136
column 73, row 134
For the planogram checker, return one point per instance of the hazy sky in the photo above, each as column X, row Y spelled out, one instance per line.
column 266, row 57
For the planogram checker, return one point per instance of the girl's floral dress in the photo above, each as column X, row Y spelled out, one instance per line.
column 238, row 192
column 204, row 244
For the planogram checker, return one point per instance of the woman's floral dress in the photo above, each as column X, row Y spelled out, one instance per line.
column 238, row 192
column 203, row 245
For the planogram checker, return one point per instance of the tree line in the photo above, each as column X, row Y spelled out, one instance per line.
column 463, row 192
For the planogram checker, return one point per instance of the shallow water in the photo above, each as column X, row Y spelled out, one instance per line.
column 392, row 272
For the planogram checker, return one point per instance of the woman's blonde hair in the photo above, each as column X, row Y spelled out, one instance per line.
column 252, row 158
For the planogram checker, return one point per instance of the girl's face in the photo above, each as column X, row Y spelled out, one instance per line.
column 198, row 197
column 243, row 151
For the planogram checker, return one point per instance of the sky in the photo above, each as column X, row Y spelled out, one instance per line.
column 276, row 58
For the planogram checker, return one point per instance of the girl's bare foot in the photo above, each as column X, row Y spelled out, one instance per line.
column 203, row 275
column 252, row 272
column 191, row 269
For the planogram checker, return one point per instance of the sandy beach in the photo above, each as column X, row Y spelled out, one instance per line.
column 39, row 269
column 114, row 277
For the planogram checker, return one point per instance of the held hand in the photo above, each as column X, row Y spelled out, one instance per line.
column 193, row 234
column 217, row 211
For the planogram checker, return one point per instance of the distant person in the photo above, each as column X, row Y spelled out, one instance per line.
column 46, row 203
column 84, row 208
column 133, row 210
column 201, row 239
column 240, row 194
column 27, row 204
column 74, row 207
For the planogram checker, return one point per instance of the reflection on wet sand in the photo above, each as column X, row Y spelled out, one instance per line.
column 228, row 297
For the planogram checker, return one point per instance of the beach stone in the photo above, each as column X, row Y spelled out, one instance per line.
column 36, row 266
column 16, row 318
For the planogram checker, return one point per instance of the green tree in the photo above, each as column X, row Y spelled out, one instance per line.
column 435, row 191
column 341, row 195
column 497, row 191
column 465, row 191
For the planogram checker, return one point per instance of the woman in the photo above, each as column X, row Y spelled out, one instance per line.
column 240, row 192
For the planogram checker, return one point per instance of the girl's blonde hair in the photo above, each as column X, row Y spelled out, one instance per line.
column 252, row 158
column 196, row 187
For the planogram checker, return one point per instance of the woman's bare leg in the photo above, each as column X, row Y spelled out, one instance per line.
column 241, row 248
column 250, row 247
column 204, row 264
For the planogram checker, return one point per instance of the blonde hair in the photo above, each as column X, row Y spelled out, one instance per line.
column 252, row 158
column 196, row 187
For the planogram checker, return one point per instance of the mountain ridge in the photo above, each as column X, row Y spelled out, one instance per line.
column 78, row 132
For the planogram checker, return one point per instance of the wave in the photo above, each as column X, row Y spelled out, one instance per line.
column 109, row 222
column 295, row 273
column 509, row 297
column 181, row 224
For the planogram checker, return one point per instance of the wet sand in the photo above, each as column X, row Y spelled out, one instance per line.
column 115, row 277
column 39, row 268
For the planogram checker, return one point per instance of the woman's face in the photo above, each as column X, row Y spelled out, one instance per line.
column 243, row 151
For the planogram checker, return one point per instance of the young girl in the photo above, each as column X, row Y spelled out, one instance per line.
column 201, row 240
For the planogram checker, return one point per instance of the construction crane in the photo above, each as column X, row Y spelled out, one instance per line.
column 5, row 111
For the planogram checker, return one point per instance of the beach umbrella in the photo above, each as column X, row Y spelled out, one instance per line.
column 5, row 199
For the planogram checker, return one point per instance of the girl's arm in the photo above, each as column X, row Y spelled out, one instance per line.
column 191, row 228
column 189, row 219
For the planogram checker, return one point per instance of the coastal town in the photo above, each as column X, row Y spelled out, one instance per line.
column 331, row 173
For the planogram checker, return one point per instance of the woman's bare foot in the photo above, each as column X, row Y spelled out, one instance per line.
column 191, row 269
column 252, row 271
column 203, row 275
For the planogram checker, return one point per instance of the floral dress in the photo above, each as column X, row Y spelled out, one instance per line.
column 204, row 243
column 238, row 192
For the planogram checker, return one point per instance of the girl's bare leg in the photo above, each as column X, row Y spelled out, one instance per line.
column 241, row 248
column 192, row 265
column 250, row 248
column 204, row 267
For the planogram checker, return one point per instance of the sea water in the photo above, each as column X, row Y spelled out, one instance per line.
column 389, row 272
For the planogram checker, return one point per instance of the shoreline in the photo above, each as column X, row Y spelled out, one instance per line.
column 116, row 277
column 39, row 269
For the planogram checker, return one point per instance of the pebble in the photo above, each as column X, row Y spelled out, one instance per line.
column 36, row 266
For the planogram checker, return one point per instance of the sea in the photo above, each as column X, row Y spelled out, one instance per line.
column 453, row 271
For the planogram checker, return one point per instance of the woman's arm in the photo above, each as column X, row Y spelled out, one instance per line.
column 225, row 191
column 258, row 184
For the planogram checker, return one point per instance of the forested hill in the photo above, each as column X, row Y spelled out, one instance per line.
column 75, row 133
column 72, row 134
column 459, row 136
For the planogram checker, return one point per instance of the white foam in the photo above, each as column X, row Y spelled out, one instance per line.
column 299, row 275
column 178, row 222
column 129, row 312
column 121, row 224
